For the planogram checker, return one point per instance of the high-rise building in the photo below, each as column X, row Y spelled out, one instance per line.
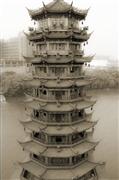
column 10, row 49
column 13, row 49
column 59, row 109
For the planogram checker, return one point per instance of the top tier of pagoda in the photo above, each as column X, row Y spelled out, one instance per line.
column 58, row 7
column 58, row 32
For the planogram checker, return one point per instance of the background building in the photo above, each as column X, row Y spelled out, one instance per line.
column 12, row 50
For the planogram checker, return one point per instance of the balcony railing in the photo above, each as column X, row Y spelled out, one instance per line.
column 58, row 52
column 58, row 119
column 62, row 142
column 53, row 161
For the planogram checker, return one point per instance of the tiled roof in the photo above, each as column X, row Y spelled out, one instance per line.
column 33, row 168
column 58, row 6
column 56, row 130
column 36, row 148
column 58, row 174
column 80, row 37
column 51, row 58
column 57, row 107
column 57, row 83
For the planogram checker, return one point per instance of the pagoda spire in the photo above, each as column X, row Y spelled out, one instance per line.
column 44, row 5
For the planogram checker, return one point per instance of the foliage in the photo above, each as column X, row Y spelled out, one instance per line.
column 104, row 78
column 11, row 83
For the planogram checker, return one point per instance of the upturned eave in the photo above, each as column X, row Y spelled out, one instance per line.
column 58, row 174
column 60, row 107
column 57, row 7
column 61, row 35
column 55, row 130
column 58, row 83
column 37, row 148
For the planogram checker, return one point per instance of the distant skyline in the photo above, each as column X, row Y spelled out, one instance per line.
column 102, row 19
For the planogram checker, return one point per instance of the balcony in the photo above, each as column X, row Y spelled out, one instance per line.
column 58, row 118
column 57, row 53
column 59, row 140
column 59, row 161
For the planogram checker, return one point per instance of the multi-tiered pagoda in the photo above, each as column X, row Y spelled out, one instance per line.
column 59, row 110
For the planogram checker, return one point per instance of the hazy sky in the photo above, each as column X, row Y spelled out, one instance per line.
column 102, row 19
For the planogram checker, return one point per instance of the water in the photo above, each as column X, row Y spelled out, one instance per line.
column 106, row 110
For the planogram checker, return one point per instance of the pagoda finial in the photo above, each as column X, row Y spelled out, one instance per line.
column 29, row 11
column 71, row 3
column 58, row 0
column 44, row 5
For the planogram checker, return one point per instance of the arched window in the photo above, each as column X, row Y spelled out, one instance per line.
column 44, row 92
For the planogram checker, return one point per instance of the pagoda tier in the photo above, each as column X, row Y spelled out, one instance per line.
column 57, row 90
column 56, row 58
column 85, row 171
column 38, row 149
column 58, row 108
column 57, row 7
column 59, row 118
column 60, row 157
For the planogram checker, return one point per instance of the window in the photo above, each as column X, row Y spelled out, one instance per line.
column 35, row 156
column 44, row 23
column 75, row 137
column 26, row 174
column 75, row 47
column 77, row 159
column 57, row 46
column 52, row 46
column 82, row 134
column 53, row 92
column 59, row 117
column 36, row 92
column 39, row 158
column 43, row 69
column 44, row 114
column 58, row 139
column 79, row 93
column 59, row 94
column 36, row 113
column 92, row 173
column 36, row 135
column 73, row 69
column 83, row 156
column 44, row 92
column 39, row 136
column 54, row 24
column 59, row 161
column 80, row 114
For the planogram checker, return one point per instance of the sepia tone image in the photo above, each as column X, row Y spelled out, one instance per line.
column 59, row 96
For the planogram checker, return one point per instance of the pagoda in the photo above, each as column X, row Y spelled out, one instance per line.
column 58, row 108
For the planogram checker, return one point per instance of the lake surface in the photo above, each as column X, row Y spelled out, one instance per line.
column 106, row 131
